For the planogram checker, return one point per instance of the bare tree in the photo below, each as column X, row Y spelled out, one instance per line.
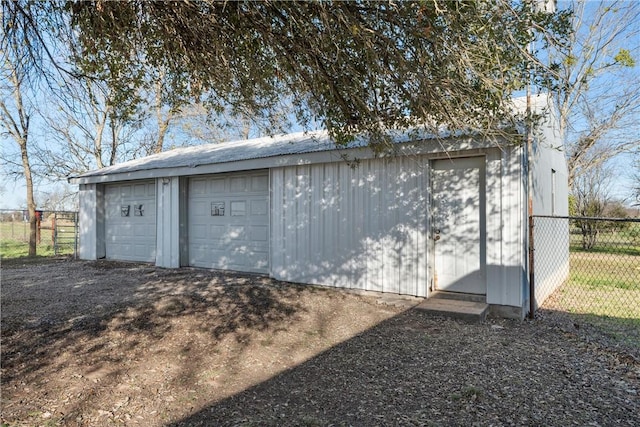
column 599, row 95
column 591, row 196
column 59, row 198
column 198, row 124
column 166, row 109
column 87, row 129
column 15, row 118
column 17, row 109
column 164, row 116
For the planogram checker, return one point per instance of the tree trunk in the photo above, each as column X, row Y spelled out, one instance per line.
column 163, row 122
column 17, row 125
column 114, row 143
column 163, row 126
column 589, row 234
column 31, row 204
column 97, row 142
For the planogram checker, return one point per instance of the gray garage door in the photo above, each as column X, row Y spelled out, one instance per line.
column 130, row 221
column 228, row 217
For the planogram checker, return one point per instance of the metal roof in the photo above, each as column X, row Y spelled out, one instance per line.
column 300, row 143
column 208, row 154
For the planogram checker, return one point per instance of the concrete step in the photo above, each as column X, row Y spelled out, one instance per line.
column 458, row 296
column 471, row 311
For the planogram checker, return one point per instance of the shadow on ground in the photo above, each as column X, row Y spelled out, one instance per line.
column 80, row 338
column 419, row 370
column 55, row 313
column 107, row 343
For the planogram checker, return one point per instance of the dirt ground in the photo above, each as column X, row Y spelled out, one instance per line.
column 103, row 343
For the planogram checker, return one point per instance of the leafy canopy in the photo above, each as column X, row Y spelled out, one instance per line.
column 357, row 66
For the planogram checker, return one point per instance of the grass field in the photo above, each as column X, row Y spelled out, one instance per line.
column 603, row 286
column 14, row 237
column 625, row 242
column 603, row 290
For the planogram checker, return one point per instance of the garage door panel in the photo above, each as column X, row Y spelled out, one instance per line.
column 260, row 183
column 260, row 247
column 234, row 233
column 141, row 231
column 125, row 190
column 239, row 258
column 140, row 250
column 140, row 190
column 227, row 247
column 111, row 197
column 217, row 185
column 200, row 209
column 198, row 238
column 123, row 249
column 132, row 236
column 197, row 186
column 258, row 207
column 238, row 184
column 238, row 208
column 259, row 233
column 228, row 218
column 217, row 231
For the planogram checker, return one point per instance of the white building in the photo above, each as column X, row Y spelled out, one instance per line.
column 440, row 214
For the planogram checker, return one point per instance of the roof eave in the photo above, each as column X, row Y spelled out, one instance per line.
column 448, row 145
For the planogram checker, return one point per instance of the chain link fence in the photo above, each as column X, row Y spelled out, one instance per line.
column 589, row 268
column 57, row 233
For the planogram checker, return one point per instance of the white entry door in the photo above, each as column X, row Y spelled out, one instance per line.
column 458, row 196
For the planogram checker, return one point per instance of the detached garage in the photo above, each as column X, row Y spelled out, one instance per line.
column 444, row 214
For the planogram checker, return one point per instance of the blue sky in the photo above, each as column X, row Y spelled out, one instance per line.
column 13, row 192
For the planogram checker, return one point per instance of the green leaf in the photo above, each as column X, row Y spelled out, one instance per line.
column 624, row 58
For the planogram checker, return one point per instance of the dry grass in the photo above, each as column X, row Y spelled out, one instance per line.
column 603, row 291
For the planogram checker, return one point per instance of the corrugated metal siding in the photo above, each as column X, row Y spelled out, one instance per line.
column 369, row 227
column 363, row 227
column 505, row 284
column 91, row 230
column 551, row 237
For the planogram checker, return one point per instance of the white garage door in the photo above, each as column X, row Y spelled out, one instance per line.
column 130, row 221
column 228, row 216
